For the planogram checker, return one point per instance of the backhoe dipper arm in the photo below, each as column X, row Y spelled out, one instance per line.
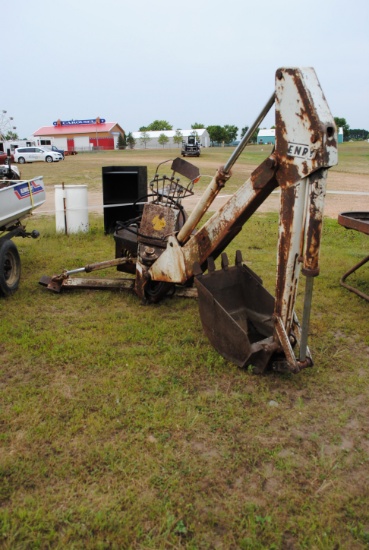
column 305, row 142
column 306, row 146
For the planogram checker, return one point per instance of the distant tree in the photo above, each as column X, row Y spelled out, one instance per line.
column 122, row 142
column 230, row 133
column 11, row 136
column 358, row 135
column 178, row 137
column 219, row 134
column 163, row 139
column 143, row 129
column 197, row 126
column 216, row 134
column 157, row 126
column 244, row 130
column 194, row 133
column 145, row 138
column 254, row 137
column 131, row 140
column 341, row 123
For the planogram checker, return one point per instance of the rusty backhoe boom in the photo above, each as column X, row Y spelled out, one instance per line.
column 306, row 146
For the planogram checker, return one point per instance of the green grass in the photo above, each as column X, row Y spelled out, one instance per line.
column 353, row 157
column 121, row 427
column 85, row 168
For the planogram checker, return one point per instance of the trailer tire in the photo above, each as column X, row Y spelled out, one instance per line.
column 156, row 290
column 10, row 268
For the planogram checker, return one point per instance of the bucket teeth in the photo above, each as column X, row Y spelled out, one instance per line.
column 211, row 264
column 239, row 259
column 225, row 262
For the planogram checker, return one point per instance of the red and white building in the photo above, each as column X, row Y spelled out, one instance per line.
column 80, row 135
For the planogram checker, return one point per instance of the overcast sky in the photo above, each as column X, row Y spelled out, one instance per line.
column 206, row 61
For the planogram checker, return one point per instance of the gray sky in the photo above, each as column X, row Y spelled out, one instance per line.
column 207, row 61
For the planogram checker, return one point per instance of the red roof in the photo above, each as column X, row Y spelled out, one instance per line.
column 75, row 129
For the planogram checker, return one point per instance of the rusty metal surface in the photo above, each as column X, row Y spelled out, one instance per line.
column 237, row 315
column 349, row 272
column 306, row 134
column 50, row 284
column 185, row 168
column 158, row 222
column 221, row 177
column 56, row 282
column 306, row 146
column 300, row 227
column 314, row 222
column 303, row 116
column 284, row 340
column 213, row 237
column 207, row 198
column 103, row 265
column 358, row 221
column 170, row 267
column 262, row 175
column 85, row 282
column 355, row 220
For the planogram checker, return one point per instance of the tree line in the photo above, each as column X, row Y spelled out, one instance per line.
column 219, row 135
column 350, row 134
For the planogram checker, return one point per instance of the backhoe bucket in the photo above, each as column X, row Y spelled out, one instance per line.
column 236, row 312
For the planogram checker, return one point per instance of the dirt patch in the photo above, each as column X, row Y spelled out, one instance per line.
column 345, row 193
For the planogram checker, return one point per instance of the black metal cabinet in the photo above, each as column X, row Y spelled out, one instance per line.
column 123, row 187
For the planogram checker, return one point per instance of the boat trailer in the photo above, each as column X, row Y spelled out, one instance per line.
column 18, row 198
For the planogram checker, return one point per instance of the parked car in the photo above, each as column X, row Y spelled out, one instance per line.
column 34, row 154
column 56, row 150
column 4, row 157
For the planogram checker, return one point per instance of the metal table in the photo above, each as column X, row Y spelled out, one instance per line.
column 360, row 222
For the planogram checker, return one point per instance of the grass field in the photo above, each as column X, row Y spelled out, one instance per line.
column 85, row 168
column 122, row 428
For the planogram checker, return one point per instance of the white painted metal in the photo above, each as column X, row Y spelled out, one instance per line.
column 19, row 199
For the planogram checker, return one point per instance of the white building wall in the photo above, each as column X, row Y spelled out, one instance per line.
column 153, row 143
column 115, row 137
column 82, row 143
column 60, row 143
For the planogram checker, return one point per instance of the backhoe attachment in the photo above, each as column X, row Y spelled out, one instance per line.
column 243, row 321
column 165, row 249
